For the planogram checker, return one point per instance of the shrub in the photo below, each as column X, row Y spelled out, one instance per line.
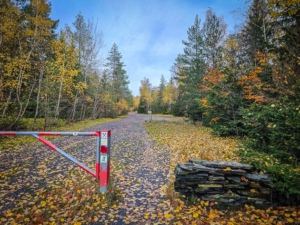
column 274, row 129
column 284, row 176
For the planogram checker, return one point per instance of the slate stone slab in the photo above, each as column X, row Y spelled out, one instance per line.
column 179, row 171
column 216, row 178
column 234, row 186
column 238, row 180
column 210, row 185
column 203, row 183
column 184, row 190
column 186, row 166
column 222, row 164
column 214, row 182
column 251, row 193
column 259, row 177
column 209, row 191
column 198, row 161
column 205, row 169
column 235, row 172
column 188, row 180
column 234, row 179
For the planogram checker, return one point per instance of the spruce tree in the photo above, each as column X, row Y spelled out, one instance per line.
column 161, row 91
column 214, row 30
column 255, row 30
column 190, row 69
column 118, row 77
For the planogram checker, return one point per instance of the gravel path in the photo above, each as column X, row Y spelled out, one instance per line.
column 142, row 170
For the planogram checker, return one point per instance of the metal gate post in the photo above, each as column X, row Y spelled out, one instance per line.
column 104, row 159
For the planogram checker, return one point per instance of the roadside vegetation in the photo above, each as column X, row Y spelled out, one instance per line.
column 186, row 141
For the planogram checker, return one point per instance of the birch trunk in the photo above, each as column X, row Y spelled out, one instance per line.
column 39, row 93
column 74, row 106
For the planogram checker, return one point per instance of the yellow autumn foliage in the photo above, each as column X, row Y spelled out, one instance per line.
column 186, row 141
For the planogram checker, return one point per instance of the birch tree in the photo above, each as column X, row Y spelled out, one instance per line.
column 89, row 42
column 62, row 68
column 31, row 26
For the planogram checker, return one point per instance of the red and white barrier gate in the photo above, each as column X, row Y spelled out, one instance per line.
column 102, row 151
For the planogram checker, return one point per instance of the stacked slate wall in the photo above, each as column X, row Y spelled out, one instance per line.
column 230, row 183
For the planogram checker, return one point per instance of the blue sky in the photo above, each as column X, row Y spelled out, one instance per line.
column 148, row 33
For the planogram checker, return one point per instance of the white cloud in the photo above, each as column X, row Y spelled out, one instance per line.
column 148, row 33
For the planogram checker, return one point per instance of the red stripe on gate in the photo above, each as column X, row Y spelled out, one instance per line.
column 8, row 133
column 48, row 143
column 98, row 170
column 103, row 176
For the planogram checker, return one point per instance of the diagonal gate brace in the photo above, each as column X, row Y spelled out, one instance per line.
column 71, row 158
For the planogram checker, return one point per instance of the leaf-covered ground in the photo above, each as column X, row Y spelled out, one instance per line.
column 38, row 186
